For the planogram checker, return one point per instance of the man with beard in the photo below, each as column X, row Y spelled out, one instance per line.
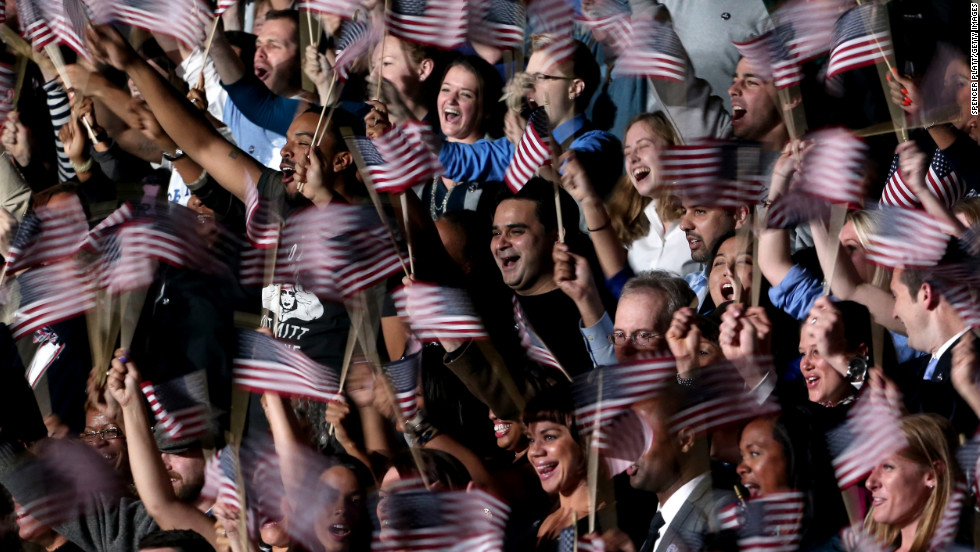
column 704, row 226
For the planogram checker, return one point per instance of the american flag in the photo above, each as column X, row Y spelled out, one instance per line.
column 53, row 232
column 33, row 26
column 833, row 168
column 963, row 298
column 500, row 24
column 968, row 457
column 603, row 398
column 354, row 43
column 655, row 52
column 262, row 224
column 909, row 238
column 435, row 312
column 50, row 294
column 532, row 344
column 871, row 434
column 415, row 519
column 724, row 401
column 532, row 152
column 67, row 20
column 339, row 251
column 7, row 83
column 186, row 20
column 609, row 19
column 856, row 539
column 404, row 376
column 860, row 38
column 181, row 405
column 770, row 58
column 340, row 8
column 806, row 27
column 65, row 475
column 264, row 364
column 772, row 523
column 407, row 158
column 553, row 17
column 3, row 12
column 223, row 6
column 941, row 180
column 438, row 23
column 220, row 478
column 722, row 174
column 170, row 236
column 949, row 523
column 570, row 540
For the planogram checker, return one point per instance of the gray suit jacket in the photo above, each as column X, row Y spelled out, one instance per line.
column 686, row 531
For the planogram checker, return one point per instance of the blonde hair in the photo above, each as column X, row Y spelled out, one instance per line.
column 968, row 207
column 865, row 225
column 626, row 205
column 930, row 446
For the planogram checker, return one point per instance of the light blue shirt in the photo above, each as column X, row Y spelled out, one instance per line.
column 596, row 338
column 699, row 284
column 262, row 144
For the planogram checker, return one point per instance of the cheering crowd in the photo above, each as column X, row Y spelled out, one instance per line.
column 477, row 275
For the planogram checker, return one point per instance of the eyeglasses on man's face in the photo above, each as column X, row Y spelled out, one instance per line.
column 107, row 434
column 641, row 339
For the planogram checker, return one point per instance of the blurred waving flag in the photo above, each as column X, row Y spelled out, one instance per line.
column 181, row 405
column 721, row 174
column 407, row 159
column 54, row 232
column 438, row 23
column 724, row 401
column 435, row 312
column 264, row 364
column 535, row 348
column 908, row 238
column 414, row 519
column 941, row 180
column 8, row 80
column 771, row 523
column 222, row 6
column 654, row 51
column 67, row 19
column 353, row 44
column 771, row 59
column 806, row 27
column 860, row 38
column 609, row 21
column 340, row 8
column 871, row 434
column 532, row 152
column 33, row 26
column 261, row 223
column 50, row 294
column 220, row 478
column 552, row 23
column 949, row 523
column 498, row 23
column 404, row 376
column 186, row 20
column 570, row 540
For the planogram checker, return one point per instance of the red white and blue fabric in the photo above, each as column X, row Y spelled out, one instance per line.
column 532, row 152
column 871, row 434
column 180, row 405
column 33, row 27
column 713, row 173
column 437, row 23
column 406, row 157
column 52, row 233
column 404, row 376
column 220, row 479
column 188, row 21
column 941, row 180
column 724, row 402
column 354, row 43
column 655, row 51
column 67, row 20
column 261, row 224
column 8, row 81
column 435, row 312
column 769, row 56
column 907, row 238
column 949, row 523
column 554, row 19
column 50, row 294
column 767, row 523
column 535, row 348
column 861, row 38
column 806, row 27
column 340, row 8
column 498, row 23
column 610, row 20
column 264, row 364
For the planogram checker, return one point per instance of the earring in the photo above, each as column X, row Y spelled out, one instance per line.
column 931, row 486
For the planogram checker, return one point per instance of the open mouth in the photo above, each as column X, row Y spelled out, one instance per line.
column 500, row 429
column 288, row 171
column 339, row 531
column 727, row 291
column 752, row 488
column 270, row 524
column 451, row 115
column 507, row 263
column 693, row 242
column 738, row 112
column 631, row 471
column 640, row 173
column 811, row 382
column 546, row 470
column 262, row 73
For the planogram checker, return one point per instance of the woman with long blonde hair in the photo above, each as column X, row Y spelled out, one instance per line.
column 911, row 488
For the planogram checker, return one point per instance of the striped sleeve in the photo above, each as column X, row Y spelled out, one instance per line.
column 60, row 111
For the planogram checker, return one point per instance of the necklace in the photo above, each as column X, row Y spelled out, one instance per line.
column 436, row 211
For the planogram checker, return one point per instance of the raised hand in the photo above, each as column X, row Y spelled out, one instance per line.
column 123, row 383
column 109, row 46
column 904, row 93
column 376, row 122
column 16, row 139
column 684, row 339
column 965, row 371
column 825, row 327
column 575, row 180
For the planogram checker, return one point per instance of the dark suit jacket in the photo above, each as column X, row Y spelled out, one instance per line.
column 685, row 532
column 936, row 395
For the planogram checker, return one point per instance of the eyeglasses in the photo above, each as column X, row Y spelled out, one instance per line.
column 641, row 338
column 541, row 77
column 109, row 434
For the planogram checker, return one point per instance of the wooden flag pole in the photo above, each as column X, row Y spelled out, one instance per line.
column 54, row 54
column 593, row 467
column 757, row 223
column 838, row 215
column 207, row 48
column 408, row 232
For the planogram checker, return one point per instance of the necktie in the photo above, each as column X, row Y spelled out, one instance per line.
column 930, row 369
column 655, row 524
